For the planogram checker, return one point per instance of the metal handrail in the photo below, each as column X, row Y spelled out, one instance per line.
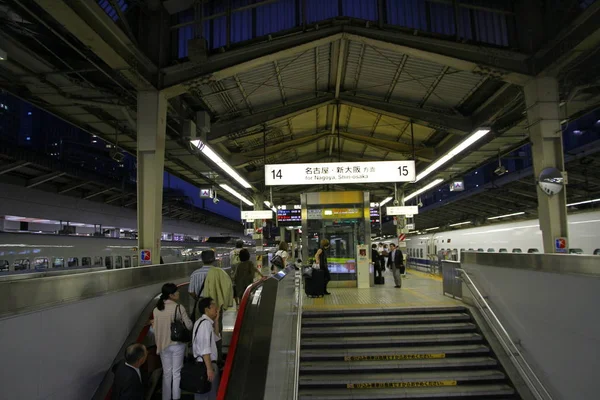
column 298, row 335
column 530, row 377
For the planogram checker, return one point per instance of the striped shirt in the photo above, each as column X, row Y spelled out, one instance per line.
column 197, row 279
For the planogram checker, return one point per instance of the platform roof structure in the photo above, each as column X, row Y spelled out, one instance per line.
column 371, row 86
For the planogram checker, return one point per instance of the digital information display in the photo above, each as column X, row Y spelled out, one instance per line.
column 375, row 215
column 289, row 215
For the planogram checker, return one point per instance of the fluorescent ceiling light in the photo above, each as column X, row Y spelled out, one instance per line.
column 460, row 223
column 508, row 215
column 432, row 229
column 214, row 157
column 424, row 189
column 459, row 148
column 384, row 202
column 236, row 194
column 583, row 202
column 274, row 209
column 267, row 203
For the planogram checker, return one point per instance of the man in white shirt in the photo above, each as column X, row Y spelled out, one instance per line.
column 204, row 346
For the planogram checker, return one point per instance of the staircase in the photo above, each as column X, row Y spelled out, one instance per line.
column 416, row 353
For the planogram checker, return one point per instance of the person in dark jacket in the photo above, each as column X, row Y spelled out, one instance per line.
column 244, row 274
column 321, row 260
column 376, row 260
column 128, row 383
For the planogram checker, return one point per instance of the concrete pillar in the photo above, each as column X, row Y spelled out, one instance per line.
column 541, row 99
column 151, row 131
column 293, row 241
column 261, row 260
column 282, row 233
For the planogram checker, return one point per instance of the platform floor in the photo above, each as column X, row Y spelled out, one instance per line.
column 419, row 289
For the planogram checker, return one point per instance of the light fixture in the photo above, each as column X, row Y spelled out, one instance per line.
column 3, row 55
column 460, row 223
column 432, row 229
column 459, row 148
column 214, row 157
column 424, row 189
column 267, row 203
column 227, row 188
column 384, row 202
column 583, row 202
column 507, row 215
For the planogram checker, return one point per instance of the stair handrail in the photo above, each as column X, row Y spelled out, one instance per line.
column 531, row 379
column 298, row 335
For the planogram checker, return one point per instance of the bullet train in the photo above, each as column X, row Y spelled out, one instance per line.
column 27, row 252
column 512, row 237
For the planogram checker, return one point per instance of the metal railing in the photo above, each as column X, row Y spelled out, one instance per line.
column 531, row 379
column 298, row 333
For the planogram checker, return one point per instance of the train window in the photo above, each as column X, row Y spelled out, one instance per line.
column 471, row 249
column 480, row 250
column 108, row 262
column 575, row 251
column 86, row 261
column 4, row 265
column 503, row 251
column 97, row 261
column 20, row 265
column 73, row 262
column 597, row 252
column 134, row 261
column 59, row 262
column 517, row 250
column 490, row 250
column 531, row 251
column 118, row 262
column 40, row 263
column 421, row 252
column 127, row 262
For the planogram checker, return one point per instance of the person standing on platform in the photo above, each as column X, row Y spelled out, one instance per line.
column 234, row 261
column 375, row 259
column 244, row 275
column 281, row 252
column 396, row 260
column 204, row 344
column 171, row 353
column 321, row 261
column 216, row 284
column 128, row 383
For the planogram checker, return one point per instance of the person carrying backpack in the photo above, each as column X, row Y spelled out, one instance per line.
column 279, row 260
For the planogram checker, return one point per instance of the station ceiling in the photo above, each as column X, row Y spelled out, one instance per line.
column 341, row 89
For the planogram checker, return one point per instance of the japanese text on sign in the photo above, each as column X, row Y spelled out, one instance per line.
column 337, row 173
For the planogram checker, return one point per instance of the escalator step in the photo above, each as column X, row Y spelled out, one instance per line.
column 385, row 319
column 444, row 392
column 389, row 340
column 405, row 379
column 387, row 330
column 312, row 367
column 381, row 311
column 357, row 352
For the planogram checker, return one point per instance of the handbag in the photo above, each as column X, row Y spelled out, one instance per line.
column 194, row 377
column 179, row 332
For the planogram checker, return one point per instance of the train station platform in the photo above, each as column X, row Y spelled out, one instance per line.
column 419, row 289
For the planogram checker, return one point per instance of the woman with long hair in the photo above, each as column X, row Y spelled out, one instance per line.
column 171, row 353
column 321, row 260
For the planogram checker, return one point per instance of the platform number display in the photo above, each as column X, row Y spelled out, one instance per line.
column 276, row 174
column 403, row 170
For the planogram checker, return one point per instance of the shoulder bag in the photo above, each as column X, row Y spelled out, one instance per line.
column 194, row 377
column 179, row 332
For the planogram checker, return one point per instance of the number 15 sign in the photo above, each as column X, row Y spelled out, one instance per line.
column 338, row 173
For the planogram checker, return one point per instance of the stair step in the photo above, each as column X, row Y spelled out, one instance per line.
column 399, row 365
column 477, row 392
column 385, row 319
column 387, row 341
column 373, row 330
column 381, row 311
column 360, row 353
column 399, row 380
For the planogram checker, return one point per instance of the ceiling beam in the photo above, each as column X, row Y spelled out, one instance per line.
column 96, row 193
column 73, row 186
column 221, row 131
column 43, row 179
column 13, row 167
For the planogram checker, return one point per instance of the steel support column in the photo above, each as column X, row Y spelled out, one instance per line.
column 541, row 97
column 151, row 131
column 262, row 260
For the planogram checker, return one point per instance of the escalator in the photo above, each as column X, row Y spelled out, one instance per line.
column 426, row 353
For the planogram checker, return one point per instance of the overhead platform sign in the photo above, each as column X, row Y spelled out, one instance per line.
column 339, row 173
column 402, row 210
column 260, row 214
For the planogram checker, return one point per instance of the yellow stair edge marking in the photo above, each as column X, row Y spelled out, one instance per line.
column 387, row 385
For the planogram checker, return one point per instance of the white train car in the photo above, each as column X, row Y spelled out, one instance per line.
column 36, row 252
column 512, row 237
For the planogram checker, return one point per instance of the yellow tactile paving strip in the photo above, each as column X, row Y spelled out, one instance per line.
column 419, row 289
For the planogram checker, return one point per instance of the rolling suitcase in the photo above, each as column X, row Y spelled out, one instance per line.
column 315, row 285
column 379, row 280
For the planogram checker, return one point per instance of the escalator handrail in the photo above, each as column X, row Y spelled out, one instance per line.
column 235, row 338
column 141, row 337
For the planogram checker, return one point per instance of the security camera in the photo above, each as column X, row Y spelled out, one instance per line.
column 501, row 170
column 396, row 203
column 216, row 200
column 420, row 204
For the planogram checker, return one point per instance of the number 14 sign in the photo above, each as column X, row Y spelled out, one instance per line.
column 338, row 173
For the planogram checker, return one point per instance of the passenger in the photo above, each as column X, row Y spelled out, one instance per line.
column 281, row 252
column 244, row 275
column 128, row 383
column 204, row 345
column 321, row 260
column 171, row 353
column 396, row 262
column 234, row 261
column 215, row 283
column 376, row 260
column 385, row 256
